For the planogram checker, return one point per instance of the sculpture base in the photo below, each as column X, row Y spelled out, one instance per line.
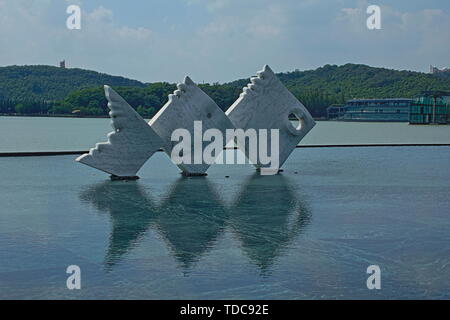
column 187, row 174
column 269, row 172
column 124, row 178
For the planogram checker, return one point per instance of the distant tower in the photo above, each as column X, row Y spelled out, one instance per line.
column 62, row 64
column 434, row 69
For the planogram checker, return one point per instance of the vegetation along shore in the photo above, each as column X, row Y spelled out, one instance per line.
column 51, row 91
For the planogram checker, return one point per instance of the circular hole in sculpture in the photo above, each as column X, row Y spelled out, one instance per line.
column 208, row 115
column 296, row 121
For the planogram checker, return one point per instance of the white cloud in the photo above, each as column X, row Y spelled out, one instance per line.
column 212, row 5
column 100, row 15
column 408, row 40
column 234, row 40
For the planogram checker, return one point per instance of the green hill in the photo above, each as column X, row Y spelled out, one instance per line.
column 317, row 89
column 27, row 89
column 362, row 81
column 331, row 84
column 52, row 83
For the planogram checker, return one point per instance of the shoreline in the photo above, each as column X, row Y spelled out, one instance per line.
column 370, row 145
column 51, row 116
column 81, row 116
column 147, row 119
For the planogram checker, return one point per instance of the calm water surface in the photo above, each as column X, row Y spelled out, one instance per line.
column 58, row 134
column 310, row 232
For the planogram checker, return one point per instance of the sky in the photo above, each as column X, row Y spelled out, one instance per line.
column 223, row 40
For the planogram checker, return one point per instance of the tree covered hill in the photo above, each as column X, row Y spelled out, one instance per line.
column 52, row 83
column 362, row 81
column 316, row 89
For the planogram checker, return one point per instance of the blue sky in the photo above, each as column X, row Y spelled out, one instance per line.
column 223, row 40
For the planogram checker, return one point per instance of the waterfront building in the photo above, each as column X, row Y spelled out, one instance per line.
column 396, row 110
column 431, row 107
column 335, row 111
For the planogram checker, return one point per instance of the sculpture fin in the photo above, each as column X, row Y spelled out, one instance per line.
column 129, row 146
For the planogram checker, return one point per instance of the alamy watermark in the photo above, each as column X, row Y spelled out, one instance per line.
column 374, row 20
column 73, row 22
column 190, row 149
column 74, row 280
column 374, row 280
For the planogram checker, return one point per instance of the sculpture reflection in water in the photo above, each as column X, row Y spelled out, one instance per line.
column 265, row 216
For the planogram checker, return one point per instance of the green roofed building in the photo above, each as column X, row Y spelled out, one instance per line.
column 430, row 107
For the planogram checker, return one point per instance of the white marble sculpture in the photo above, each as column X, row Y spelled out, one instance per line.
column 131, row 143
column 267, row 104
column 264, row 104
column 186, row 105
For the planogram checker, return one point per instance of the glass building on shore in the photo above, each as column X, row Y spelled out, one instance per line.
column 385, row 110
column 432, row 107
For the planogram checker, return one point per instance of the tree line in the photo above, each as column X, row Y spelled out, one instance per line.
column 316, row 89
column 148, row 100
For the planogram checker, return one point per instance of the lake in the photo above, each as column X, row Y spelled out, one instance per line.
column 63, row 134
column 308, row 233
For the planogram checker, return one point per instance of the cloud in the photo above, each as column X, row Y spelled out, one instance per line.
column 212, row 5
column 225, row 39
column 100, row 15
column 408, row 39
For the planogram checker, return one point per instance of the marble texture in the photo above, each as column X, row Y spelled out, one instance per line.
column 129, row 146
column 188, row 104
column 266, row 104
